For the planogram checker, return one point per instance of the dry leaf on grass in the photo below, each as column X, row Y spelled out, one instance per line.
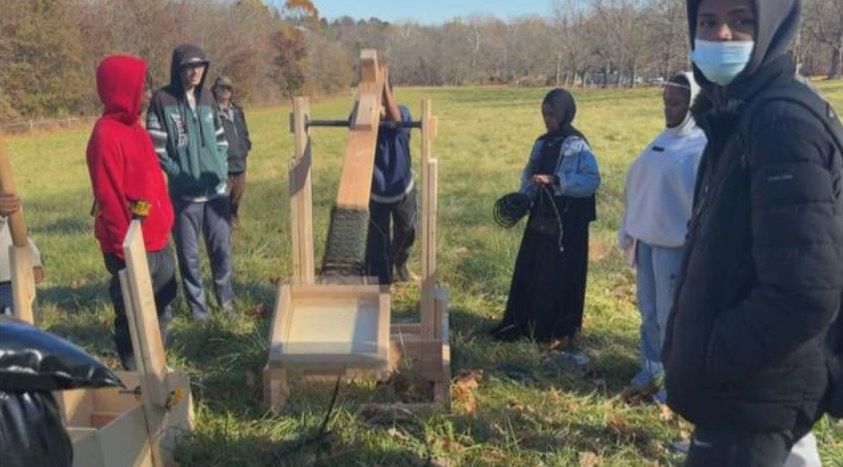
column 589, row 459
column 397, row 434
column 462, row 391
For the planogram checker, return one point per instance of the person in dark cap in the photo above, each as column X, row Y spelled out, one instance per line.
column 746, row 358
column 547, row 294
column 237, row 134
column 190, row 143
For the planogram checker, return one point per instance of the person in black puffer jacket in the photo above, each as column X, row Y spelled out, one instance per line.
column 763, row 271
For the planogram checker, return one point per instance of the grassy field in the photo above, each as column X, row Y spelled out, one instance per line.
column 522, row 412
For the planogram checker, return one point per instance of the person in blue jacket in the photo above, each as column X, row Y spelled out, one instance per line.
column 393, row 196
column 547, row 294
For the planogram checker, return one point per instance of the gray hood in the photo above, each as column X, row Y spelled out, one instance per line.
column 777, row 22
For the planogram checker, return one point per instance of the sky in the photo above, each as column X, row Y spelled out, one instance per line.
column 430, row 11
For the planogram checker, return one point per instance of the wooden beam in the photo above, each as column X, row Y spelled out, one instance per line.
column 356, row 178
column 301, row 196
column 142, row 313
column 428, row 217
column 20, row 254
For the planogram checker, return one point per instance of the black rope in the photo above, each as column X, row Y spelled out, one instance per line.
column 561, row 236
column 509, row 209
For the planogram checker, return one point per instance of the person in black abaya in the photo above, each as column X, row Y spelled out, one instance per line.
column 547, row 294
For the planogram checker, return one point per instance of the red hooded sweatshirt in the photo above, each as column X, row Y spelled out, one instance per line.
column 122, row 162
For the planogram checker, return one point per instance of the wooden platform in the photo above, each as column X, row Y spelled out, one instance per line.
column 108, row 427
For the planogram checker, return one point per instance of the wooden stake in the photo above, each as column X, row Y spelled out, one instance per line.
column 301, row 196
column 428, row 249
column 168, row 408
column 356, row 178
column 20, row 254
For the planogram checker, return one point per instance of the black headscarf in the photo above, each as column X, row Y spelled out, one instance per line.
column 776, row 24
column 563, row 105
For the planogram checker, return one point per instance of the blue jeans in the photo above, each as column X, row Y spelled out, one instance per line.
column 212, row 220
column 658, row 269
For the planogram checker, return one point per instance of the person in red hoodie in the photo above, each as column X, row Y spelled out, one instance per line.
column 128, row 183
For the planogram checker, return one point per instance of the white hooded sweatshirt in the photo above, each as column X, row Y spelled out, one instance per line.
column 660, row 185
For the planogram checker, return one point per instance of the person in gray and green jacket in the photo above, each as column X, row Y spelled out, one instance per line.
column 190, row 143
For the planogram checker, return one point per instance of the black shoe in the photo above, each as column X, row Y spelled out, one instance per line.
column 402, row 273
column 505, row 332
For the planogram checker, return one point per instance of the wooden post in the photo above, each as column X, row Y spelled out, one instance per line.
column 20, row 254
column 167, row 404
column 428, row 217
column 356, row 178
column 301, row 196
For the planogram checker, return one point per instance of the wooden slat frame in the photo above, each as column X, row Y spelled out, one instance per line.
column 356, row 178
column 301, row 195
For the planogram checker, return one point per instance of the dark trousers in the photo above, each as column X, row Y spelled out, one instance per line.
column 728, row 448
column 382, row 252
column 162, row 271
column 236, row 186
column 210, row 219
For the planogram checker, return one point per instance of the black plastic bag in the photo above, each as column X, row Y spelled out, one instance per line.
column 35, row 360
column 31, row 431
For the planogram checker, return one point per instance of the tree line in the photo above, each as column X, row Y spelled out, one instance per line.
column 272, row 50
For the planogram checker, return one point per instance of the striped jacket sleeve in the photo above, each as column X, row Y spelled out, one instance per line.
column 158, row 132
column 222, row 142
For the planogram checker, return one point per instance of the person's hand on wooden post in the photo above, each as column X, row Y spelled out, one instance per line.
column 10, row 203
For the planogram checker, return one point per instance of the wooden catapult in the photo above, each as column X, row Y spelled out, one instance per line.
column 322, row 329
column 115, row 427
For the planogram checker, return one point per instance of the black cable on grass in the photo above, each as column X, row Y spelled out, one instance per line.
column 316, row 436
column 509, row 209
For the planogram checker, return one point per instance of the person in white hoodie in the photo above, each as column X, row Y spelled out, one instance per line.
column 658, row 201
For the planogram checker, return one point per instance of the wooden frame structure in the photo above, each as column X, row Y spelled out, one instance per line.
column 112, row 427
column 424, row 345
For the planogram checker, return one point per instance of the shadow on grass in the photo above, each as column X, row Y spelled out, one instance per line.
column 74, row 299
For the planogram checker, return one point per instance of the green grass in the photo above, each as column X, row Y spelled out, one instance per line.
column 550, row 418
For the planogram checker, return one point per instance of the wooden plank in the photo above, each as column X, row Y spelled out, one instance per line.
column 369, row 68
column 356, row 178
column 76, row 406
column 428, row 233
column 101, row 419
column 87, row 451
column 283, row 302
column 142, row 313
column 23, row 282
column 301, row 195
column 124, row 442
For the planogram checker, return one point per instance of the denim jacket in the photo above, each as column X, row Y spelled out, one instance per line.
column 576, row 173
